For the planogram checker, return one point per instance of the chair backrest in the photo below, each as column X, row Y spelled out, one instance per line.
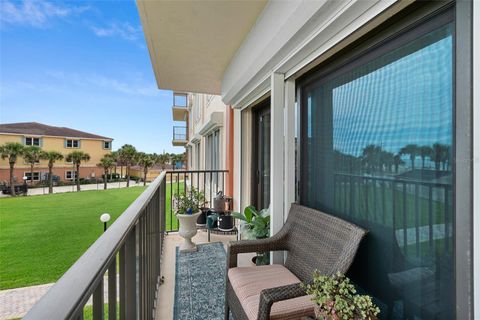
column 318, row 241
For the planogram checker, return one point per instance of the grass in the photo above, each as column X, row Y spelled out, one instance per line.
column 88, row 312
column 379, row 206
column 42, row 236
column 171, row 221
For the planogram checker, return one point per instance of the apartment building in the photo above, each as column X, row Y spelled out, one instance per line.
column 51, row 138
column 205, row 127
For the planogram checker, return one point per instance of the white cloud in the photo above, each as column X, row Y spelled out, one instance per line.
column 125, row 31
column 35, row 13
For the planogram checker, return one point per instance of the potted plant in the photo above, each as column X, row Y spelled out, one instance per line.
column 187, row 210
column 335, row 298
column 256, row 226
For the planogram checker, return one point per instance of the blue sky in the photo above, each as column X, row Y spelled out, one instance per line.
column 83, row 65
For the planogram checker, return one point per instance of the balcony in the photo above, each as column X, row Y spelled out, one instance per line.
column 180, row 107
column 180, row 137
column 129, row 271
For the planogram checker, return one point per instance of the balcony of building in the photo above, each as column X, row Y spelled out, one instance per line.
column 180, row 137
column 180, row 106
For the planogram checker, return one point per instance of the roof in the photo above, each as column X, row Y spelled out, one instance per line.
column 40, row 129
column 191, row 43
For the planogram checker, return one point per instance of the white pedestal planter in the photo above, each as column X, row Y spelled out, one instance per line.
column 187, row 230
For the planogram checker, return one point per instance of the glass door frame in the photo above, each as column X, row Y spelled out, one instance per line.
column 380, row 40
column 261, row 110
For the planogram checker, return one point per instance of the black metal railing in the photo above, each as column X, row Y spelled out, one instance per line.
column 391, row 201
column 135, row 241
column 179, row 133
column 210, row 182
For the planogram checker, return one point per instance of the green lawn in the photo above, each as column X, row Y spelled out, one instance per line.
column 42, row 236
column 171, row 221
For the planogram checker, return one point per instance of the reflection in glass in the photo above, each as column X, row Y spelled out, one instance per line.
column 378, row 141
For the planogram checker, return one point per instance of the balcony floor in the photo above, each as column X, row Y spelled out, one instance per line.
column 167, row 289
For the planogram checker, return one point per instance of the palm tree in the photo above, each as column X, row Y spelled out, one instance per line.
column 424, row 151
column 387, row 160
column 11, row 151
column 106, row 163
column 77, row 157
column 145, row 161
column 127, row 155
column 114, row 156
column 439, row 154
column 32, row 156
column 162, row 160
column 397, row 161
column 412, row 150
column 371, row 156
column 52, row 156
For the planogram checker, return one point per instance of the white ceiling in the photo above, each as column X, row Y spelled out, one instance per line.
column 191, row 43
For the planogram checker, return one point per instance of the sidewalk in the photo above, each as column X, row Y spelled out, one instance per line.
column 84, row 187
column 15, row 303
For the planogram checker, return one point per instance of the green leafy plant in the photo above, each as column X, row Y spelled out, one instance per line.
column 257, row 224
column 335, row 298
column 189, row 202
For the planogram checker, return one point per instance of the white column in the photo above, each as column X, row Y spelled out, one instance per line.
column 237, row 160
column 277, row 159
column 289, row 146
column 476, row 157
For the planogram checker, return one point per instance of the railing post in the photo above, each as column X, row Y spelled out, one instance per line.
column 112, row 290
column 98, row 301
column 131, row 276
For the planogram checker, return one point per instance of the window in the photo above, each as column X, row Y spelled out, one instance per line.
column 32, row 141
column 70, row 175
column 72, row 143
column 107, row 144
column 376, row 150
column 36, row 176
column 212, row 156
column 197, row 156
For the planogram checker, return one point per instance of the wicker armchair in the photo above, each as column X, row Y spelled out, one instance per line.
column 314, row 241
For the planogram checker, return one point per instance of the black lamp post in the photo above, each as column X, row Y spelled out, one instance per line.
column 105, row 218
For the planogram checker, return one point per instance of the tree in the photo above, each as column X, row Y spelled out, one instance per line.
column 106, row 163
column 412, row 150
column 162, row 160
column 11, row 151
column 387, row 160
column 127, row 155
column 77, row 157
column 52, row 156
column 145, row 161
column 32, row 156
column 371, row 156
column 424, row 152
column 439, row 154
column 114, row 156
column 397, row 161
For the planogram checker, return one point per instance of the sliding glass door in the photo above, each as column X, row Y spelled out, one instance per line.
column 376, row 149
column 261, row 156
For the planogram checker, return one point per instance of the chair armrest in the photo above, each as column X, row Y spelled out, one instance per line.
column 275, row 243
column 271, row 295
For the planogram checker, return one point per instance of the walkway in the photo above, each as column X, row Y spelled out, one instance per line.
column 84, row 187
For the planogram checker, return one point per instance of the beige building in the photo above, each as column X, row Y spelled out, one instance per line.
column 51, row 138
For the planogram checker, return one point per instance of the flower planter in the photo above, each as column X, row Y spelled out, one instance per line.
column 187, row 230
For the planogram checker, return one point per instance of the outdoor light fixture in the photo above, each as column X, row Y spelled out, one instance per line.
column 105, row 217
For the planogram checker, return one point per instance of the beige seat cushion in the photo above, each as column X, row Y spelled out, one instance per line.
column 248, row 282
